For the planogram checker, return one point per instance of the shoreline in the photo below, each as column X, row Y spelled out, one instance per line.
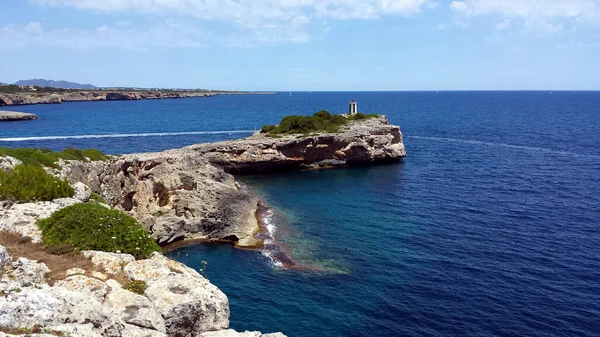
column 32, row 98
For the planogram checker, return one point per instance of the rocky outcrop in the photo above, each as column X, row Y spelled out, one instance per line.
column 101, row 95
column 188, row 194
column 122, row 96
column 360, row 143
column 175, row 195
column 177, row 302
column 8, row 163
column 8, row 116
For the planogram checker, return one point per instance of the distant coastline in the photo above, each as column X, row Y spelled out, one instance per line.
column 58, row 96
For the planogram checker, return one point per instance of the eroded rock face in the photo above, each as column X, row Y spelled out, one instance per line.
column 175, row 195
column 188, row 303
column 177, row 302
column 360, row 143
column 187, row 194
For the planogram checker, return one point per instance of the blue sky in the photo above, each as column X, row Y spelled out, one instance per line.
column 305, row 44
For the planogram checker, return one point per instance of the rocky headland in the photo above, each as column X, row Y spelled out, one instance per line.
column 178, row 195
column 6, row 116
column 26, row 98
column 190, row 193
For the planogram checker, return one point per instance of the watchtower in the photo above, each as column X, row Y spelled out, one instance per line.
column 353, row 108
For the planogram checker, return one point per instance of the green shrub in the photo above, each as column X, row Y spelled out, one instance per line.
column 97, row 198
column 137, row 287
column 27, row 183
column 94, row 227
column 48, row 158
column 320, row 121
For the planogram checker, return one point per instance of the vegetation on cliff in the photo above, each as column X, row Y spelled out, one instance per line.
column 319, row 122
column 94, row 227
column 31, row 183
column 48, row 158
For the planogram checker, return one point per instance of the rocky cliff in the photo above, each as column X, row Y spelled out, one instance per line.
column 190, row 193
column 26, row 98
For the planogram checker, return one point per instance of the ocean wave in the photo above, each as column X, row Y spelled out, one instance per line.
column 518, row 147
column 124, row 135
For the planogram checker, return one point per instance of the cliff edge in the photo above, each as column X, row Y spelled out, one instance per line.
column 190, row 194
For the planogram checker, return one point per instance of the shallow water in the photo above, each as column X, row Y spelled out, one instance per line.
column 488, row 228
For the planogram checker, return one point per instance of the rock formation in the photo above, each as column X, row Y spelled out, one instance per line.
column 177, row 301
column 25, row 98
column 188, row 193
column 6, row 116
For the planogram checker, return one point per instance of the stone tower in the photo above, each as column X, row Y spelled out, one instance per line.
column 353, row 108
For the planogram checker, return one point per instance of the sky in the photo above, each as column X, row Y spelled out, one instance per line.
column 307, row 45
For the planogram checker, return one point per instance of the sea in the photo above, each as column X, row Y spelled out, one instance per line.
column 489, row 227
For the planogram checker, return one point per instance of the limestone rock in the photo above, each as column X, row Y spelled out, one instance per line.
column 133, row 308
column 8, row 163
column 188, row 302
column 75, row 271
column 84, row 284
column 5, row 259
column 21, row 218
column 135, row 331
column 82, row 192
column 26, row 273
column 188, row 193
column 111, row 262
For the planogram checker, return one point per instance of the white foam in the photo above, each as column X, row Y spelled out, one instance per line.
column 125, row 135
column 273, row 262
column 519, row 147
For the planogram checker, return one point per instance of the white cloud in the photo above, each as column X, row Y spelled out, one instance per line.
column 169, row 33
column 250, row 10
column 246, row 22
column 535, row 16
column 503, row 25
column 531, row 9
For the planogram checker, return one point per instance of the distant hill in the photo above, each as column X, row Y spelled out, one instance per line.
column 55, row 84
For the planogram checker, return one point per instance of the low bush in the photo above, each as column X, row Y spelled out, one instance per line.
column 93, row 227
column 97, row 198
column 48, row 158
column 320, row 121
column 30, row 183
column 137, row 287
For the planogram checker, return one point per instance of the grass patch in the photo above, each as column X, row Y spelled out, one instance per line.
column 31, row 183
column 94, row 227
column 137, row 287
column 48, row 158
column 321, row 121
column 97, row 198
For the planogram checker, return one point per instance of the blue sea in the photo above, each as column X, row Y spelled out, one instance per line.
column 490, row 226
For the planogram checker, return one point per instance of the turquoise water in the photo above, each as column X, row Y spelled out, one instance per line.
column 488, row 228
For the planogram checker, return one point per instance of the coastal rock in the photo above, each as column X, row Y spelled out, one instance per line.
column 7, row 116
column 84, row 284
column 189, row 193
column 133, row 308
column 363, row 142
column 82, row 192
column 188, row 302
column 111, row 262
column 122, row 96
column 21, row 218
column 175, row 195
column 5, row 259
column 7, row 163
